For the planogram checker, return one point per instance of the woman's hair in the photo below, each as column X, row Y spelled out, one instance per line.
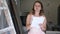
column 41, row 11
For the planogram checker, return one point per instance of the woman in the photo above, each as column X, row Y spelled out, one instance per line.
column 36, row 20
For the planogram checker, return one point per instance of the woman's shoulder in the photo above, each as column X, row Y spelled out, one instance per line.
column 29, row 15
column 44, row 16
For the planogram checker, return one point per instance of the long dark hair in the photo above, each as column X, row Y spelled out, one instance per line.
column 41, row 11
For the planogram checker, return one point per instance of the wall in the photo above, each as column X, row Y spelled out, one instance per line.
column 50, row 8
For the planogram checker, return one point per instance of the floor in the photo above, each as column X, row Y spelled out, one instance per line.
column 52, row 32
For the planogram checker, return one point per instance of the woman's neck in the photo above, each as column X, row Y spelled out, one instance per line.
column 36, row 13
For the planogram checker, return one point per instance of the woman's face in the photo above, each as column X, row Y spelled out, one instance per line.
column 37, row 6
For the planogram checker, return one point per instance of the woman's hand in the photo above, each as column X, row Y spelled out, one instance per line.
column 42, row 27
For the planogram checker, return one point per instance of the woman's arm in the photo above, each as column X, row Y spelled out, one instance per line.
column 28, row 22
column 43, row 26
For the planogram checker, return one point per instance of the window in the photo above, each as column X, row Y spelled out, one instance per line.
column 6, row 23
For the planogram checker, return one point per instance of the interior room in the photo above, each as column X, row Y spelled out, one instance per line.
column 51, row 9
column 19, row 9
